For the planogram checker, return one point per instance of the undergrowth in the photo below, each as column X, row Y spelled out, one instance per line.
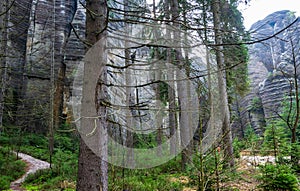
column 10, row 168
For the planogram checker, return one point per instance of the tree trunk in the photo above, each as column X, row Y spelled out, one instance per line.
column 93, row 170
column 182, row 88
column 294, row 151
column 171, row 89
column 172, row 110
column 129, row 96
column 222, row 84
column 158, row 102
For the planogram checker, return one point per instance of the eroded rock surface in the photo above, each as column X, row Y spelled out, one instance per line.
column 270, row 70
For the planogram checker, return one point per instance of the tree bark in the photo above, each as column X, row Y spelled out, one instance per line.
column 171, row 89
column 93, row 170
column 226, row 129
column 294, row 150
column 129, row 92
column 182, row 88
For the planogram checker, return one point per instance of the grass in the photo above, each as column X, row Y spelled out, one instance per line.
column 64, row 160
column 10, row 168
column 63, row 175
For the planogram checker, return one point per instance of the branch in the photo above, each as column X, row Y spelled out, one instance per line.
column 260, row 40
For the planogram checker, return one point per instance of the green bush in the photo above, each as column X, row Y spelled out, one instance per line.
column 145, row 183
column 65, row 142
column 40, row 176
column 278, row 177
column 4, row 140
column 209, row 168
column 256, row 104
column 5, row 182
column 65, row 164
column 10, row 168
column 237, row 147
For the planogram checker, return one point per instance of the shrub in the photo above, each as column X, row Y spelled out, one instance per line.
column 278, row 177
column 40, row 176
column 10, row 168
column 5, row 182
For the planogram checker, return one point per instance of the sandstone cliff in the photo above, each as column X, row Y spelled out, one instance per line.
column 270, row 69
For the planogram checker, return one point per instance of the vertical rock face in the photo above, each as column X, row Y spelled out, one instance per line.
column 42, row 54
column 45, row 46
column 18, row 18
column 270, row 69
column 74, row 54
column 49, row 32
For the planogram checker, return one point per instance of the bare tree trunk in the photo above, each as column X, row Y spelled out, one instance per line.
column 222, row 84
column 184, row 121
column 129, row 92
column 172, row 110
column 93, row 170
column 158, row 75
column 182, row 89
column 159, row 115
column 171, row 89
column 294, row 151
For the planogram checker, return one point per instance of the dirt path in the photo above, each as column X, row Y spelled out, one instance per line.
column 33, row 165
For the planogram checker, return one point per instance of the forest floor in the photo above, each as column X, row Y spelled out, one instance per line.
column 246, row 168
column 32, row 165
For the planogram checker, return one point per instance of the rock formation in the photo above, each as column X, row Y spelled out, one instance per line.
column 270, row 69
column 42, row 53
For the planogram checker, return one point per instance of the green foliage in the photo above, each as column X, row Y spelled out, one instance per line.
column 40, row 153
column 163, row 92
column 40, row 176
column 66, row 142
column 278, row 177
column 64, row 168
column 144, row 141
column 36, row 140
column 237, row 147
column 276, row 138
column 5, row 182
column 288, row 116
column 65, row 164
column 235, row 56
column 256, row 104
column 208, row 166
column 163, row 177
column 146, row 183
column 46, row 179
column 64, row 159
column 251, row 139
column 172, row 166
column 10, row 168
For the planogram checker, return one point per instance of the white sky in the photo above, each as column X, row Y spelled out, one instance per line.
column 259, row 9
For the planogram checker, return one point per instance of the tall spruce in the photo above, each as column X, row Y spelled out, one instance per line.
column 226, row 129
column 93, row 170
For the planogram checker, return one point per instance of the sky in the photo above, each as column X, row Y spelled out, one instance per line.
column 259, row 9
